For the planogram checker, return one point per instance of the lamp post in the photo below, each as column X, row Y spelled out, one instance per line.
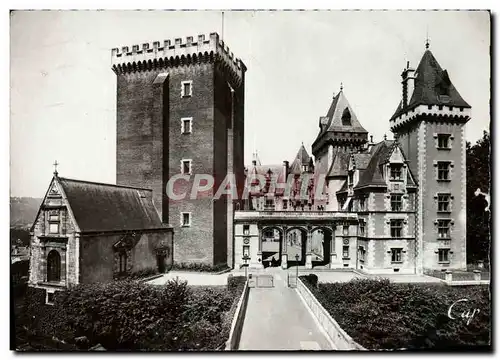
column 245, row 258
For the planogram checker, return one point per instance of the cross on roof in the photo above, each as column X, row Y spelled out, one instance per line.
column 55, row 167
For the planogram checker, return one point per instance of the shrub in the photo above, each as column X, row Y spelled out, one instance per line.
column 382, row 315
column 199, row 267
column 236, row 283
column 135, row 316
column 311, row 279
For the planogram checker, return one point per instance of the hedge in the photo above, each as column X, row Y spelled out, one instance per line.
column 199, row 267
column 379, row 314
column 129, row 315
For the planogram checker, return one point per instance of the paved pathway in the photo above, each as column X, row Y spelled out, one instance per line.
column 277, row 319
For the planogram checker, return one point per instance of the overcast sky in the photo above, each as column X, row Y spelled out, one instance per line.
column 63, row 92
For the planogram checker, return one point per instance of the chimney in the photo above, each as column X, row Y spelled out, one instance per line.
column 285, row 165
column 408, row 82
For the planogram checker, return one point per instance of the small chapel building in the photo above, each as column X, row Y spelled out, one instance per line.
column 87, row 232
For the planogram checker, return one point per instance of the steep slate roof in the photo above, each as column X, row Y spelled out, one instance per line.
column 335, row 112
column 340, row 164
column 301, row 159
column 432, row 87
column 361, row 160
column 276, row 171
column 379, row 154
column 104, row 207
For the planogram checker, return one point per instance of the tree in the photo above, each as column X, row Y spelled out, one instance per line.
column 478, row 218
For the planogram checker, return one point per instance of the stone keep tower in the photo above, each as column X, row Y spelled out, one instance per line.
column 429, row 125
column 180, row 110
column 340, row 135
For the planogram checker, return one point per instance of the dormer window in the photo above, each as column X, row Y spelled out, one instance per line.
column 346, row 117
column 396, row 172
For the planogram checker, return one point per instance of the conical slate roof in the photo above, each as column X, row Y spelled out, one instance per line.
column 432, row 87
column 341, row 116
column 301, row 159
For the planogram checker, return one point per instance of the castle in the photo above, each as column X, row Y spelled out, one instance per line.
column 392, row 206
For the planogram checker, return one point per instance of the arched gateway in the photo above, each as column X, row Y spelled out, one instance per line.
column 283, row 239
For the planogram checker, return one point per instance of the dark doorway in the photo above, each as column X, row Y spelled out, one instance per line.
column 160, row 259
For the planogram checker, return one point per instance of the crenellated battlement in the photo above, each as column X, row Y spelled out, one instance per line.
column 171, row 53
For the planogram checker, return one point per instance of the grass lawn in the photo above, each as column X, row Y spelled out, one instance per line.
column 379, row 314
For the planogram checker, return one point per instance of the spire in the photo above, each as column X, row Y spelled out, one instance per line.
column 55, row 168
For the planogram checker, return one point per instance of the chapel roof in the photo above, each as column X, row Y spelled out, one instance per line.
column 105, row 207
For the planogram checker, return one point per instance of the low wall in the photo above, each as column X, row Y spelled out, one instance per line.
column 237, row 324
column 336, row 334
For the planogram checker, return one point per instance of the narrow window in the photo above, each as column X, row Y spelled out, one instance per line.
column 396, row 255
column 50, row 298
column 53, row 266
column 396, row 202
column 395, row 172
column 443, row 202
column 246, row 229
column 362, row 228
column 345, row 252
column 443, row 170
column 443, row 255
column 285, row 204
column 123, row 262
column 345, row 230
column 186, row 219
column 443, row 141
column 186, row 125
column 361, row 253
column 444, row 229
column 362, row 203
column 187, row 88
column 186, row 166
column 396, row 228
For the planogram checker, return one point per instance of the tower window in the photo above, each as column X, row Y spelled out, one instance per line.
column 346, row 117
column 362, row 228
column 362, row 203
column 443, row 255
column 345, row 230
column 396, row 172
column 396, row 255
column 396, row 228
column 187, row 88
column 185, row 219
column 444, row 141
column 186, row 166
column 443, row 202
column 396, row 202
column 444, row 229
column 246, row 229
column 345, row 252
column 443, row 170
column 186, row 125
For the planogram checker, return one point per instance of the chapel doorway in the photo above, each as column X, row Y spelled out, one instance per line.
column 160, row 259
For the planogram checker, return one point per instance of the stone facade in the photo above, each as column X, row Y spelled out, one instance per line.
column 152, row 144
column 79, row 233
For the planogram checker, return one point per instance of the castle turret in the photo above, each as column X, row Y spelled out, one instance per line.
column 340, row 134
column 429, row 125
